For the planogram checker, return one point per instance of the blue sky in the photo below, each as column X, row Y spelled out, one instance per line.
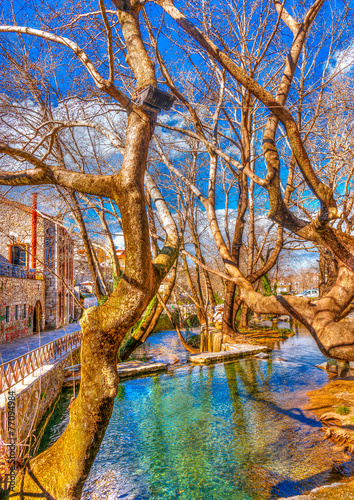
column 72, row 79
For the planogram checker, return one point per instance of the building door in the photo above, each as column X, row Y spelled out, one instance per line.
column 37, row 317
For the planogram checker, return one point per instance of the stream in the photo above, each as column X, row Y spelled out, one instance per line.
column 230, row 431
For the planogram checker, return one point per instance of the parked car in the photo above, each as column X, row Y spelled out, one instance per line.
column 310, row 294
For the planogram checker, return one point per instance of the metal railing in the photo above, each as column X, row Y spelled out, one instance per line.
column 18, row 271
column 14, row 371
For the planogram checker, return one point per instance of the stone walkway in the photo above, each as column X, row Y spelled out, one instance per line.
column 19, row 347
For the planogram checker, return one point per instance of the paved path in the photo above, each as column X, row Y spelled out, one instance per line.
column 18, row 347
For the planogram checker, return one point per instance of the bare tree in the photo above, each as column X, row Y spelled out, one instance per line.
column 207, row 128
column 334, row 337
column 61, row 470
column 245, row 88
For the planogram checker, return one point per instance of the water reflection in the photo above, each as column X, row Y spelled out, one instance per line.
column 233, row 431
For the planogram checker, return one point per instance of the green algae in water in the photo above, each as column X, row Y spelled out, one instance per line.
column 233, row 431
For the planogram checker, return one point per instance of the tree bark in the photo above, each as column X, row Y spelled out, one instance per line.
column 328, row 271
column 244, row 316
column 228, row 323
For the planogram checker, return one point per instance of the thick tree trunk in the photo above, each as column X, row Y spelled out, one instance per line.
column 334, row 337
column 135, row 339
column 244, row 316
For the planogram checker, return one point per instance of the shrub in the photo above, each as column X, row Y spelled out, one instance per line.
column 343, row 410
column 164, row 323
column 191, row 322
column 285, row 332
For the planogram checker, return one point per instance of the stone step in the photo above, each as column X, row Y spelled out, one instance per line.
column 68, row 381
column 236, row 352
column 136, row 368
column 74, row 368
column 125, row 370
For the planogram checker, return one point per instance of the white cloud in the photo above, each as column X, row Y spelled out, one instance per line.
column 119, row 241
column 344, row 60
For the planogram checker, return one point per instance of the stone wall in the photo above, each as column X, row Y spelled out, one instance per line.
column 25, row 294
column 64, row 269
column 54, row 263
column 51, row 288
column 37, row 394
column 16, row 228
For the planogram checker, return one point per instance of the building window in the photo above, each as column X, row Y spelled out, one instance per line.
column 16, row 312
column 49, row 251
column 7, row 314
column 18, row 255
column 24, row 311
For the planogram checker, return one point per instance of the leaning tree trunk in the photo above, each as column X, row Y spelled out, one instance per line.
column 175, row 325
column 60, row 472
column 228, row 324
column 149, row 320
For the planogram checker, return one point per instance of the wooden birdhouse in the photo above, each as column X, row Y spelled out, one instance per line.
column 153, row 99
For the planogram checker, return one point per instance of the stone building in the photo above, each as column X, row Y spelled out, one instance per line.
column 36, row 271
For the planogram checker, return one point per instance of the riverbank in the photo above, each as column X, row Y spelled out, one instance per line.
column 234, row 430
column 333, row 404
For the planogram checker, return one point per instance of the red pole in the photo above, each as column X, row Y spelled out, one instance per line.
column 34, row 230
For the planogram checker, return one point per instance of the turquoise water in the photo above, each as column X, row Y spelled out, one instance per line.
column 231, row 431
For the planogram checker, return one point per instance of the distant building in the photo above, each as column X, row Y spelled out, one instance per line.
column 82, row 273
column 303, row 281
column 36, row 271
column 121, row 258
column 284, row 287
